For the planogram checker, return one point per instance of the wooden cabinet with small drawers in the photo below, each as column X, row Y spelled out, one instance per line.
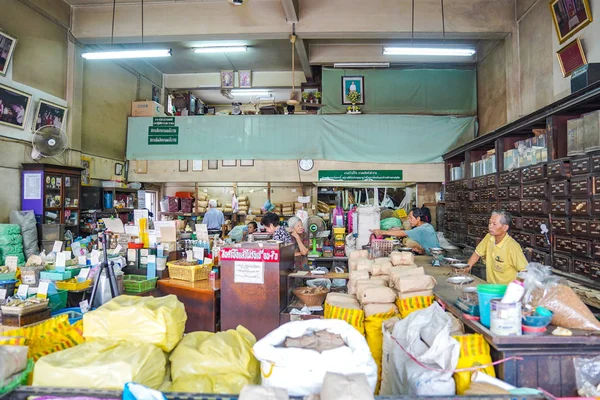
column 594, row 229
column 580, row 227
column 580, row 166
column 563, row 262
column 503, row 193
column 581, row 247
column 510, row 177
column 541, row 241
column 582, row 267
column 472, row 241
column 534, row 223
column 534, row 173
column 516, row 223
column 559, row 188
column 561, row 225
column 596, row 206
column 523, row 238
column 596, row 250
column 595, row 271
column 562, row 243
column 580, row 207
column 474, row 195
column 540, row 257
column 478, row 183
column 534, row 207
column 536, row 190
column 581, row 186
column 558, row 169
column 491, row 180
column 514, row 192
column 596, row 164
column 560, row 207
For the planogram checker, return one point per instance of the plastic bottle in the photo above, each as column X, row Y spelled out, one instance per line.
column 514, row 292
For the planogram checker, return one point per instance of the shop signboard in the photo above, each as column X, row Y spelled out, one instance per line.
column 364, row 175
column 163, row 121
column 159, row 135
column 249, row 272
column 257, row 255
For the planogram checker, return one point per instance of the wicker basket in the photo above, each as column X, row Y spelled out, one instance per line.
column 310, row 300
column 190, row 273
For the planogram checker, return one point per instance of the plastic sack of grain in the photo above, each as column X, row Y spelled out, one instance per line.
column 568, row 309
column 26, row 220
column 374, row 336
column 402, row 258
column 155, row 320
column 102, row 364
column 222, row 362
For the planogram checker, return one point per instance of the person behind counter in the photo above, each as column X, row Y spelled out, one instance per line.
column 301, row 250
column 213, row 218
column 271, row 223
column 249, row 229
column 422, row 235
column 504, row 257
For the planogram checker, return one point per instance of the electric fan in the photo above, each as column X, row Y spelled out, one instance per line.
column 316, row 230
column 48, row 141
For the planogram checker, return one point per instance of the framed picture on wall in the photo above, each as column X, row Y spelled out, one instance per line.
column 245, row 79
column 50, row 114
column 14, row 107
column 7, row 46
column 571, row 57
column 246, row 163
column 227, row 79
column 118, row 169
column 354, row 85
column 229, row 163
column 213, row 164
column 570, row 16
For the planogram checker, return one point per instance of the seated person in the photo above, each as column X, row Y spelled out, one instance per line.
column 422, row 235
column 301, row 246
column 271, row 223
column 249, row 229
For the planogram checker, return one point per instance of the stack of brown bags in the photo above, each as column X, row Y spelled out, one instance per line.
column 287, row 209
column 243, row 205
column 407, row 279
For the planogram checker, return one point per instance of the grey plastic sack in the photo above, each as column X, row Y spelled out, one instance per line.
column 26, row 220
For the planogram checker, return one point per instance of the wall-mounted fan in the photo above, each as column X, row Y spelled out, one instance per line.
column 48, row 141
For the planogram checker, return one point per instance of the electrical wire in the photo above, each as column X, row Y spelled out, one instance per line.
column 142, row 21
column 412, row 37
column 443, row 23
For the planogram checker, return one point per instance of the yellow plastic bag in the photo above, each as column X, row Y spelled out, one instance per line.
column 48, row 337
column 102, row 364
column 411, row 304
column 159, row 321
column 356, row 318
column 221, row 362
column 474, row 351
column 374, row 335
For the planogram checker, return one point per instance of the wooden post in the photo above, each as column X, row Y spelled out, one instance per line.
column 195, row 196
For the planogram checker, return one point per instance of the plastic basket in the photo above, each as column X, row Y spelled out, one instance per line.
column 8, row 276
column 190, row 273
column 310, row 299
column 19, row 379
column 74, row 314
column 60, row 276
column 138, row 283
column 73, row 285
column 58, row 300
column 9, row 285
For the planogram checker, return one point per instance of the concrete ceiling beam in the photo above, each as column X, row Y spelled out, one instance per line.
column 290, row 7
column 303, row 56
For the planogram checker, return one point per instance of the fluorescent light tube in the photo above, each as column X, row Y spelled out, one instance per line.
column 111, row 55
column 221, row 49
column 361, row 65
column 249, row 91
column 428, row 51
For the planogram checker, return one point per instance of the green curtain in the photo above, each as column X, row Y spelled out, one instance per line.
column 406, row 91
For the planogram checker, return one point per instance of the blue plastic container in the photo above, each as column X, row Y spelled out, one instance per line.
column 74, row 313
column 108, row 200
column 486, row 294
column 9, row 285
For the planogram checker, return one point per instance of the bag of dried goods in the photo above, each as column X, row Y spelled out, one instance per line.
column 222, row 362
column 382, row 268
column 424, row 293
column 352, row 264
column 367, row 282
column 414, row 283
column 379, row 308
column 376, row 294
column 402, row 258
column 13, row 359
column 354, row 277
column 156, row 320
column 568, row 309
column 364, row 265
column 302, row 371
column 341, row 387
column 102, row 364
column 474, row 351
column 374, row 335
column 408, row 305
column 345, row 310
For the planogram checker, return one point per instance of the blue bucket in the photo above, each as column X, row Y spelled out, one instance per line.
column 486, row 294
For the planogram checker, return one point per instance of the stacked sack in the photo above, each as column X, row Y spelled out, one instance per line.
column 202, row 200
column 287, row 208
column 126, row 341
column 11, row 243
column 243, row 205
column 413, row 288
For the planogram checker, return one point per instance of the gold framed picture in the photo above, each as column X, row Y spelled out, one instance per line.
column 570, row 16
column 571, row 57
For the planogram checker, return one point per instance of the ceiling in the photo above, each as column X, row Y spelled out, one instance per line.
column 262, row 55
column 271, row 95
column 103, row 2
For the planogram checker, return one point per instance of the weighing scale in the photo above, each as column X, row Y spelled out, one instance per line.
column 437, row 256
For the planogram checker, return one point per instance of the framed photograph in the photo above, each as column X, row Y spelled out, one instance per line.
column 14, row 107
column 571, row 57
column 246, row 163
column 352, row 84
column 227, row 79
column 67, row 181
column 570, row 16
column 245, row 79
column 213, row 164
column 50, row 114
column 7, row 46
column 183, row 165
column 118, row 169
column 229, row 163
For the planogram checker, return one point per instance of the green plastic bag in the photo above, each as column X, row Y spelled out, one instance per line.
column 390, row 223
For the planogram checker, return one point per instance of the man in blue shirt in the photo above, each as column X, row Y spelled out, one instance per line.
column 213, row 218
column 422, row 232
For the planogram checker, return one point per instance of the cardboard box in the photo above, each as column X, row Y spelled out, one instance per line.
column 147, row 109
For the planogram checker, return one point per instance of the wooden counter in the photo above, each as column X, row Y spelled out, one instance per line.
column 201, row 300
column 547, row 360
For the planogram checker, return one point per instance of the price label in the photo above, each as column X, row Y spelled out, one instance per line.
column 23, row 291
column 83, row 274
column 84, row 306
column 2, row 293
column 11, row 262
column 117, row 249
column 57, row 246
column 61, row 260
column 42, row 292
column 198, row 253
column 81, row 260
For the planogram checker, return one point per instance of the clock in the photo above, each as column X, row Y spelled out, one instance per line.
column 306, row 165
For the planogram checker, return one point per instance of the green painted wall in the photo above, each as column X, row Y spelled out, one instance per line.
column 406, row 91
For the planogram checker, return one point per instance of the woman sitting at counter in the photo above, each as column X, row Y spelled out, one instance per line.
column 271, row 223
column 422, row 235
column 301, row 249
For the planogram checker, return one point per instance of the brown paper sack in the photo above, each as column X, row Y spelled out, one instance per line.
column 375, row 294
column 372, row 309
column 203, row 203
column 382, row 268
column 424, row 293
column 414, row 283
column 255, row 392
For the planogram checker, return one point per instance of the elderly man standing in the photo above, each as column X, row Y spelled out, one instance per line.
column 213, row 218
column 503, row 256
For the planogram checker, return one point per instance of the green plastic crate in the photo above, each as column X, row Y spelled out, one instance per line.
column 138, row 283
column 58, row 301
